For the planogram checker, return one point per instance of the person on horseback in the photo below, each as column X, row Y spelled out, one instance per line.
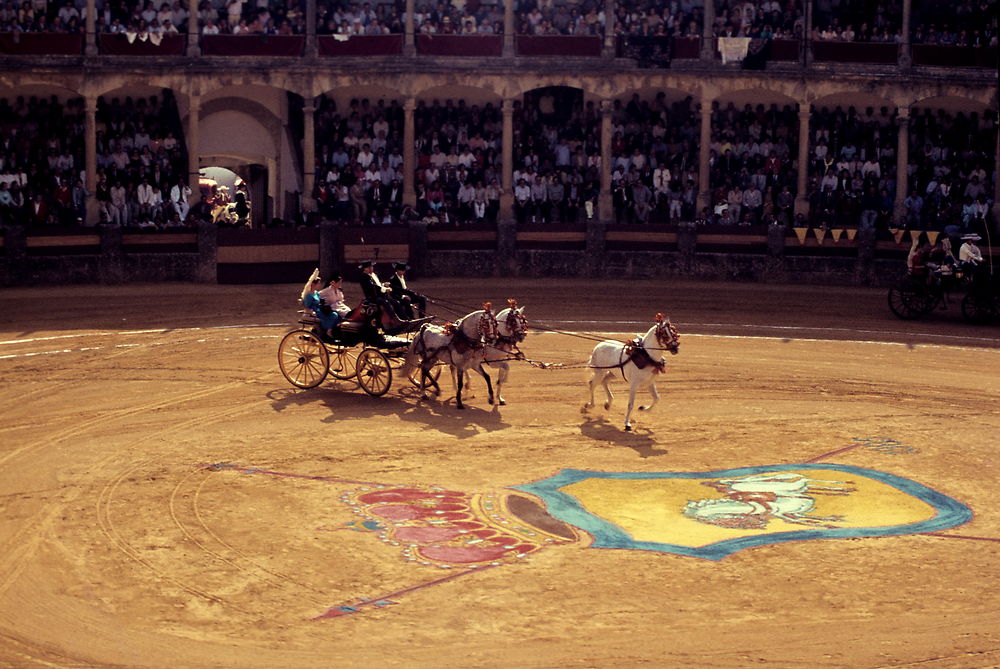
column 405, row 298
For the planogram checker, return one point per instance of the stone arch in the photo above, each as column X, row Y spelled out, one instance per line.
column 236, row 132
column 40, row 89
column 854, row 98
column 342, row 95
column 478, row 95
column 953, row 103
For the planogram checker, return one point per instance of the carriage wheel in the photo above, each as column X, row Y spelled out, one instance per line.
column 980, row 309
column 434, row 373
column 374, row 372
column 910, row 299
column 343, row 362
column 303, row 359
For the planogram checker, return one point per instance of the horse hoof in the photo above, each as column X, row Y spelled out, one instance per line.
column 628, row 428
column 643, row 408
column 502, row 403
column 459, row 406
column 607, row 405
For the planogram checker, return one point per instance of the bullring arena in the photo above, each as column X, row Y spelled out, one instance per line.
column 168, row 499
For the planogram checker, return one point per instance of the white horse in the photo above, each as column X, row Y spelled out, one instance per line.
column 512, row 328
column 462, row 345
column 638, row 361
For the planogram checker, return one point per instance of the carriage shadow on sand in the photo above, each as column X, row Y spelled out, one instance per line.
column 641, row 440
column 344, row 402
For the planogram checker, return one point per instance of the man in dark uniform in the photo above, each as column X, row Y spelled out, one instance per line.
column 405, row 298
column 371, row 286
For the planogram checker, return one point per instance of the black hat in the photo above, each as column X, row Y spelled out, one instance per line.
column 400, row 266
column 366, row 263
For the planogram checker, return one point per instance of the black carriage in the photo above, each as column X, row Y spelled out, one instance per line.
column 918, row 295
column 367, row 345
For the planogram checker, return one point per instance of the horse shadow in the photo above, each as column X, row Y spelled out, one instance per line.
column 641, row 440
column 344, row 399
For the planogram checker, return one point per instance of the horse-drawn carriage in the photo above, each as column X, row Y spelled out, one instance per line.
column 367, row 345
column 917, row 295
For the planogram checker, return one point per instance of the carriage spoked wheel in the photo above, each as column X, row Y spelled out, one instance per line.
column 434, row 373
column 910, row 299
column 343, row 362
column 980, row 308
column 303, row 359
column 374, row 372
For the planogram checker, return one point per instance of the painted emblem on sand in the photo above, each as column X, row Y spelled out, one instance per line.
column 714, row 514
column 698, row 514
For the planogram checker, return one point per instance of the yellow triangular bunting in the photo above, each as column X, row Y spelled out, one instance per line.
column 897, row 234
column 820, row 233
column 836, row 233
column 801, row 234
column 851, row 232
column 933, row 235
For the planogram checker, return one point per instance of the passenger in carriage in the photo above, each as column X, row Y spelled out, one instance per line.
column 405, row 298
column 333, row 296
column 312, row 299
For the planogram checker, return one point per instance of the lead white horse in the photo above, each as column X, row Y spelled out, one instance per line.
column 638, row 361
column 461, row 345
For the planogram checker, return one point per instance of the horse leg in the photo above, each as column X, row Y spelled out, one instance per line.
column 458, row 389
column 607, row 390
column 489, row 383
column 656, row 397
column 590, row 384
column 426, row 374
column 631, row 403
column 501, row 379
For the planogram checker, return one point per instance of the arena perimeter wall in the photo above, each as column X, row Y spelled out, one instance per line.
column 775, row 254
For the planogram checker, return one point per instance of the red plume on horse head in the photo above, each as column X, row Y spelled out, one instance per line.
column 487, row 306
column 512, row 303
column 659, row 318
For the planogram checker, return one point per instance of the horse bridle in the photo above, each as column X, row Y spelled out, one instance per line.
column 667, row 335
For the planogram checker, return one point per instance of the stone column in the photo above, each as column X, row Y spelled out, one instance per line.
column 409, row 159
column 90, row 26
column 905, row 57
column 308, row 153
column 802, row 176
column 605, row 204
column 207, row 267
column 609, row 29
column 708, row 32
column 90, row 156
column 193, row 30
column 902, row 162
column 193, row 149
column 111, row 264
column 312, row 47
column 807, row 56
column 507, row 160
column 409, row 41
column 704, row 152
column 508, row 29
column 994, row 227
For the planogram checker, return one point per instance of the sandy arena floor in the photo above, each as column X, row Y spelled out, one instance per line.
column 168, row 499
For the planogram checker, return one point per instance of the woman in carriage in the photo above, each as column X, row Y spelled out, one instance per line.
column 327, row 304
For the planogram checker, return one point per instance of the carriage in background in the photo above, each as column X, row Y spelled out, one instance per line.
column 915, row 296
column 367, row 345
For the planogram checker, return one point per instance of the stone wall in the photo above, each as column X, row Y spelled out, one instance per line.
column 772, row 255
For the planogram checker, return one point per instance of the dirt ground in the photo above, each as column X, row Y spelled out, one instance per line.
column 168, row 499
